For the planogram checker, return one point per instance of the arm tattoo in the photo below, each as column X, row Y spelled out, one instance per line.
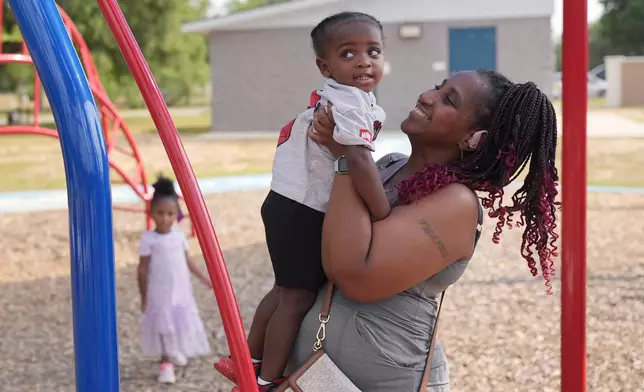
column 433, row 236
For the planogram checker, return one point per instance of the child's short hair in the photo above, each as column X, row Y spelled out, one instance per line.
column 320, row 33
column 163, row 187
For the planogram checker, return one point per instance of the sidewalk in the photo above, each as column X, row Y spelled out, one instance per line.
column 610, row 125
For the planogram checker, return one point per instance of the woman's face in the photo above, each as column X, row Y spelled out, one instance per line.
column 447, row 114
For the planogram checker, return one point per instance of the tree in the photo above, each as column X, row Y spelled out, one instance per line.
column 621, row 26
column 245, row 5
column 558, row 55
column 598, row 47
column 178, row 60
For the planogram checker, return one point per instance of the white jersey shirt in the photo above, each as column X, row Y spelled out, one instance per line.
column 302, row 169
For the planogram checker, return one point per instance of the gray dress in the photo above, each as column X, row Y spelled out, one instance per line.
column 382, row 346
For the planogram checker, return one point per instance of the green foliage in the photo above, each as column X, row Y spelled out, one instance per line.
column 245, row 5
column 558, row 55
column 619, row 31
column 598, row 47
column 622, row 26
column 178, row 60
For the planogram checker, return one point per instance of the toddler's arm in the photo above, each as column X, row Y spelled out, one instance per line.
column 355, row 129
column 366, row 179
column 197, row 272
column 142, row 277
column 362, row 168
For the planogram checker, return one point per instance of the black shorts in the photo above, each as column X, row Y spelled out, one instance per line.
column 294, row 240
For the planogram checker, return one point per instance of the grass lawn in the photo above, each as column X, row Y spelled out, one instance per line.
column 599, row 104
column 593, row 104
column 611, row 162
column 32, row 162
column 185, row 124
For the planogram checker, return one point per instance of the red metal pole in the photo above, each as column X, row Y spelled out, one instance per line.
column 224, row 293
column 573, row 284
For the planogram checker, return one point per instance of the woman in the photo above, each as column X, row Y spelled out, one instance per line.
column 474, row 132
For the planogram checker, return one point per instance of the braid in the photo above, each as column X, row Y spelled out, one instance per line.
column 324, row 30
column 522, row 130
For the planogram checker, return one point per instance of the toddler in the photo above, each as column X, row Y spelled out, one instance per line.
column 170, row 323
column 349, row 51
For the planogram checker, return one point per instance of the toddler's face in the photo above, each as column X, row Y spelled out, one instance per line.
column 164, row 213
column 354, row 55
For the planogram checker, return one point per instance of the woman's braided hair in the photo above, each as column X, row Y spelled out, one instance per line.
column 522, row 129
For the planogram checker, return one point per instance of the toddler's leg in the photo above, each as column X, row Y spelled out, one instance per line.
column 282, row 330
column 256, row 336
column 166, row 369
column 164, row 352
column 263, row 315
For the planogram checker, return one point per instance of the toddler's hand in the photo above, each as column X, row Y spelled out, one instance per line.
column 206, row 282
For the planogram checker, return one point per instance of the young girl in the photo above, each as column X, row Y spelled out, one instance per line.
column 170, row 325
column 349, row 51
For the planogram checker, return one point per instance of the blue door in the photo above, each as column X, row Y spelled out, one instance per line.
column 472, row 48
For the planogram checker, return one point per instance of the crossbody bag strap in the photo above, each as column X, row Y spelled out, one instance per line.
column 323, row 317
column 432, row 343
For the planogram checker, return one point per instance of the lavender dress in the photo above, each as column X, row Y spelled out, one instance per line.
column 171, row 324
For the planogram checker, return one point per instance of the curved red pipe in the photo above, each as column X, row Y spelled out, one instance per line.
column 28, row 130
column 197, row 208
column 13, row 58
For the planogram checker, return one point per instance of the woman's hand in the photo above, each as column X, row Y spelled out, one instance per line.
column 321, row 130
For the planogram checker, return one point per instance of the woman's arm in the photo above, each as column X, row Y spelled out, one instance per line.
column 362, row 168
column 142, row 277
column 197, row 272
column 372, row 261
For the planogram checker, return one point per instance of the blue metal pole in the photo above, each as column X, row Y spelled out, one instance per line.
column 88, row 192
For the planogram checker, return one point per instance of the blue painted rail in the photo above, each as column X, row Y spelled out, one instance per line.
column 88, row 193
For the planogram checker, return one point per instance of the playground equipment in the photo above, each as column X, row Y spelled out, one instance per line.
column 87, row 169
column 573, row 243
column 118, row 138
column 85, row 155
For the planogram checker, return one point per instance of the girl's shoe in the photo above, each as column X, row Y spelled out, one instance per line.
column 179, row 359
column 226, row 367
column 265, row 388
column 166, row 373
